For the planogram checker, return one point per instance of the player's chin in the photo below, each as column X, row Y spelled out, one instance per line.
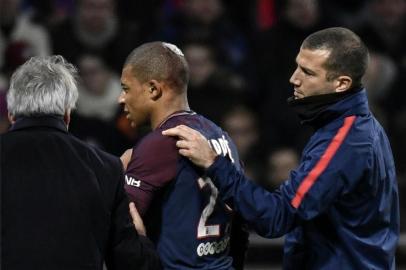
column 131, row 121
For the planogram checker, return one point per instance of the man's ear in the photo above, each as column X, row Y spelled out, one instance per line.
column 11, row 118
column 66, row 118
column 343, row 83
column 155, row 89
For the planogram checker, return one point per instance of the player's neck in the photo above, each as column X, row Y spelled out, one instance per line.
column 164, row 111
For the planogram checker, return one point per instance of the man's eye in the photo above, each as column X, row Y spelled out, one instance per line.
column 306, row 72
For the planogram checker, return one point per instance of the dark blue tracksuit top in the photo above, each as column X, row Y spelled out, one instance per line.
column 340, row 207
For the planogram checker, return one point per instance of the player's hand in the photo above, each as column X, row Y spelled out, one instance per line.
column 193, row 145
column 137, row 220
column 126, row 157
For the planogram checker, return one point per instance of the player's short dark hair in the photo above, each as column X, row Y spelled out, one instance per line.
column 159, row 61
column 348, row 54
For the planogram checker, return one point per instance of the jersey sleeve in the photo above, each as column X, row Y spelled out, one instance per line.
column 127, row 249
column 152, row 166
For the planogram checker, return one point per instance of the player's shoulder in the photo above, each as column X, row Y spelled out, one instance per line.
column 154, row 159
column 155, row 140
column 192, row 120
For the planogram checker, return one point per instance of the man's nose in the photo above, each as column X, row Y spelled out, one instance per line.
column 121, row 98
column 293, row 79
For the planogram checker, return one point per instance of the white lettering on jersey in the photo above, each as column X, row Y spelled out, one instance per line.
column 204, row 230
column 131, row 181
column 221, row 147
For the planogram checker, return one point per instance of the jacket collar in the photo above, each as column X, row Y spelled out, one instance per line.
column 328, row 109
column 41, row 121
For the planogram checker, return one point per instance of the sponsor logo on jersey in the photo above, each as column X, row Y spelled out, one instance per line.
column 131, row 181
column 211, row 248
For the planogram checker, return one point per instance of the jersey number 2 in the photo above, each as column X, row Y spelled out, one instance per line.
column 204, row 230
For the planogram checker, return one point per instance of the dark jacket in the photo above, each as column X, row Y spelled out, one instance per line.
column 63, row 204
column 340, row 206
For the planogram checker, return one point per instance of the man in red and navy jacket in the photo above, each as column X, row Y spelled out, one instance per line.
column 339, row 208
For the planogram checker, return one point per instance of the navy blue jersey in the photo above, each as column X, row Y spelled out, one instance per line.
column 180, row 207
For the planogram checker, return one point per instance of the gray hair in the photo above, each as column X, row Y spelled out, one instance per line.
column 43, row 86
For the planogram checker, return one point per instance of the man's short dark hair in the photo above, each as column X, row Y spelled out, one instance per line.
column 160, row 61
column 348, row 54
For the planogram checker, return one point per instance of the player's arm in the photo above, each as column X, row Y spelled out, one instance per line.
column 320, row 179
column 151, row 167
column 126, row 158
column 137, row 220
column 330, row 169
column 127, row 249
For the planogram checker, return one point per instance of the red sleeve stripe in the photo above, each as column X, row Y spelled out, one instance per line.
column 322, row 164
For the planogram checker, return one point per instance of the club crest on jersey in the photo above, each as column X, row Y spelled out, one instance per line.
column 221, row 146
column 131, row 181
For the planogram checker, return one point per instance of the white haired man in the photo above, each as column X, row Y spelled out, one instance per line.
column 63, row 202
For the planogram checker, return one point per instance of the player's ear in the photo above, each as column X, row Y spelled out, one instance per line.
column 154, row 89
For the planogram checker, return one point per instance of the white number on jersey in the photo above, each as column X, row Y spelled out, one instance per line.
column 204, row 230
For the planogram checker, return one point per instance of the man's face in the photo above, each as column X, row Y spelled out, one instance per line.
column 204, row 11
column 95, row 75
column 135, row 98
column 309, row 78
column 94, row 14
column 303, row 13
column 201, row 65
